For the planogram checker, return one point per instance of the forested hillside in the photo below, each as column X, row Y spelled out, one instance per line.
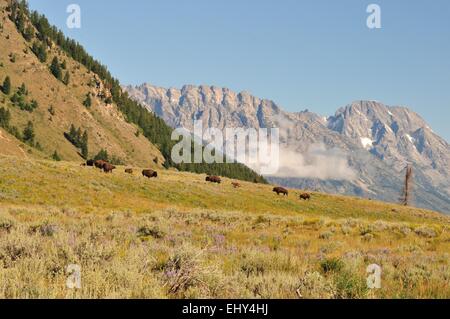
column 54, row 50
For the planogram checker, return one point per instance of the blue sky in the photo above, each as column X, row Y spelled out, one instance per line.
column 310, row 54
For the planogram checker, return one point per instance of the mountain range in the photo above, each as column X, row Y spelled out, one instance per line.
column 361, row 150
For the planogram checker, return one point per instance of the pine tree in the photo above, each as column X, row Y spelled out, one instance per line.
column 34, row 105
column 40, row 51
column 102, row 155
column 87, row 102
column 20, row 22
column 84, row 145
column 23, row 90
column 56, row 156
column 55, row 68
column 6, row 87
column 78, row 138
column 72, row 132
column 5, row 117
column 28, row 133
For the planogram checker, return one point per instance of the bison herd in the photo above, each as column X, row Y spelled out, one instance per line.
column 279, row 190
column 148, row 173
column 100, row 164
column 285, row 192
column 108, row 168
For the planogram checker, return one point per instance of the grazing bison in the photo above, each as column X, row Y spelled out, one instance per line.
column 129, row 171
column 213, row 179
column 149, row 173
column 236, row 185
column 305, row 196
column 90, row 163
column 108, row 168
column 281, row 190
column 99, row 164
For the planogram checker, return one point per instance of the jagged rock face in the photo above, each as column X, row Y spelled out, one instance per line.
column 216, row 107
column 376, row 141
column 396, row 135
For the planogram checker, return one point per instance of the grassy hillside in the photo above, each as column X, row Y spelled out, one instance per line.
column 61, row 74
column 105, row 124
column 69, row 87
column 178, row 236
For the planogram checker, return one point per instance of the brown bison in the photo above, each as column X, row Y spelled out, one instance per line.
column 129, row 171
column 149, row 173
column 305, row 196
column 236, row 185
column 213, row 179
column 281, row 190
column 99, row 164
column 108, row 168
column 90, row 163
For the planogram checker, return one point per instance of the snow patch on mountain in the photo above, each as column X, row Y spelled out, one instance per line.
column 410, row 138
column 366, row 142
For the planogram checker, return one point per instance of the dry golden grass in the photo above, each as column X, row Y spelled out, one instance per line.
column 178, row 236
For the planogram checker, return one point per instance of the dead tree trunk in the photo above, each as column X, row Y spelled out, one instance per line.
column 406, row 196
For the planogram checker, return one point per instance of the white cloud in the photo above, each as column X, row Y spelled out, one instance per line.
column 318, row 162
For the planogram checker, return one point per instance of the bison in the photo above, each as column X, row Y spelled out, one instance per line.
column 213, row 179
column 129, row 171
column 90, row 163
column 305, row 196
column 149, row 173
column 108, row 168
column 236, row 185
column 281, row 190
column 99, row 164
